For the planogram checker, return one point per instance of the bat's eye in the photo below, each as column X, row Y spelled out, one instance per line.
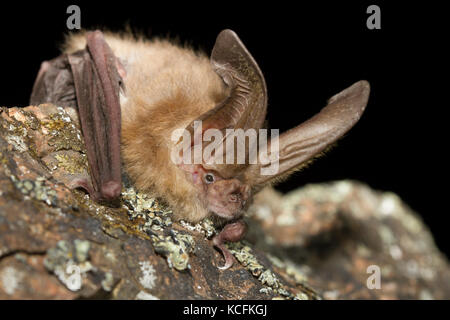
column 209, row 178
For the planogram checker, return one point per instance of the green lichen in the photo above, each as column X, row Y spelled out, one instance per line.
column 272, row 285
column 244, row 255
column 156, row 221
column 17, row 135
column 32, row 122
column 71, row 164
column 64, row 134
column 17, row 142
column 3, row 159
column 142, row 207
column 175, row 248
column 36, row 189
column 269, row 279
column 206, row 227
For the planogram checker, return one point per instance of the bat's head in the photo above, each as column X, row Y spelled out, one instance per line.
column 227, row 197
column 228, row 153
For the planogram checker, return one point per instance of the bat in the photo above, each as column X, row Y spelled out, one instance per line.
column 131, row 93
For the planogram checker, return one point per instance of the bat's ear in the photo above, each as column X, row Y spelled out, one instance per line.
column 302, row 143
column 246, row 105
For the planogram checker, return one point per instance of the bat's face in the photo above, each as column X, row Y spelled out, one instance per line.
column 226, row 198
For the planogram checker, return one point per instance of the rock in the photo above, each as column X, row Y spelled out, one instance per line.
column 341, row 234
column 316, row 242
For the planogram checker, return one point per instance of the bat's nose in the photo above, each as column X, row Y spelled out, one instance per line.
column 227, row 198
column 233, row 197
column 238, row 192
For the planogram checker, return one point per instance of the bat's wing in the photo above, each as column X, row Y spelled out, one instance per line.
column 54, row 84
column 90, row 80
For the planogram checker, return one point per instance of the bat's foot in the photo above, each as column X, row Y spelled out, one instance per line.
column 111, row 190
column 87, row 187
column 233, row 232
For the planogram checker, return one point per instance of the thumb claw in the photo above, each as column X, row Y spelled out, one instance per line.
column 226, row 266
column 233, row 232
column 229, row 259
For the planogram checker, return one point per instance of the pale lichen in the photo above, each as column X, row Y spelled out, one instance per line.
column 68, row 261
column 10, row 279
column 36, row 189
column 142, row 295
column 156, row 221
column 71, row 164
column 244, row 255
column 108, row 282
column 175, row 247
column 269, row 279
column 15, row 134
column 64, row 134
column 148, row 277
column 272, row 285
column 206, row 227
column 17, row 142
column 156, row 217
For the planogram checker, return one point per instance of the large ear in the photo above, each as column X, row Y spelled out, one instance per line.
column 302, row 143
column 246, row 105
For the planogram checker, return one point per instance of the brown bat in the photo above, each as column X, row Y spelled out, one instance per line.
column 132, row 94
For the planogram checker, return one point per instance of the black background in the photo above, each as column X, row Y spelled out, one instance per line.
column 308, row 52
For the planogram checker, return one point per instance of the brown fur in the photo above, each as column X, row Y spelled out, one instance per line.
column 167, row 87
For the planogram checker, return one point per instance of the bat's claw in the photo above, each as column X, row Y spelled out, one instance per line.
column 229, row 259
column 233, row 232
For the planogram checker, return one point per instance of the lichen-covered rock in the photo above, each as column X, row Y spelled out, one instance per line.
column 342, row 234
column 55, row 243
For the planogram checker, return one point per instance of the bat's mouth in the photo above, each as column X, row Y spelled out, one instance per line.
column 224, row 212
